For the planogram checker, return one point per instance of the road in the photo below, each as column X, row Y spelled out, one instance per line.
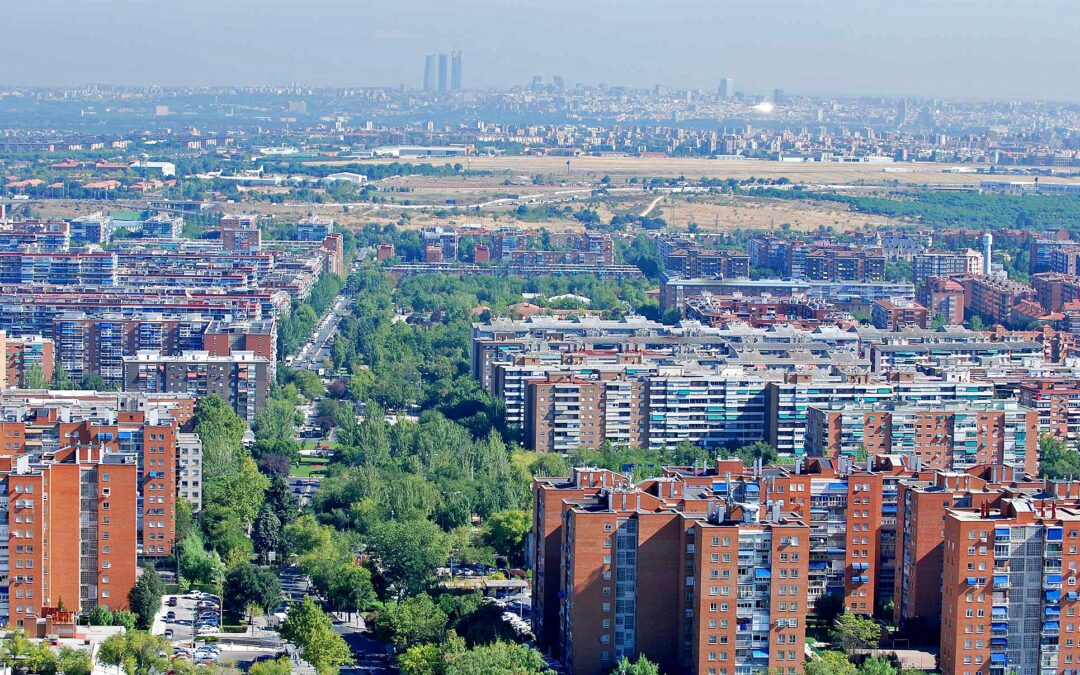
column 314, row 351
column 651, row 206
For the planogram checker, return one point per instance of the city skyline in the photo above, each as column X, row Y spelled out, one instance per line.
column 800, row 52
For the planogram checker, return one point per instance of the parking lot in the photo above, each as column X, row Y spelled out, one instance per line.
column 184, row 620
column 183, row 617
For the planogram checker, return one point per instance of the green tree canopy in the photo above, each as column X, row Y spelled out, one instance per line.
column 145, row 597
column 408, row 553
column 249, row 586
column 854, row 632
column 308, row 627
column 414, row 620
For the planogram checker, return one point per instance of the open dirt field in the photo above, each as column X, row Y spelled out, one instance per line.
column 710, row 212
column 592, row 168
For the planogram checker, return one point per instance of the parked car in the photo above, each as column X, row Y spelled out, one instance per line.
column 170, row 615
column 168, row 633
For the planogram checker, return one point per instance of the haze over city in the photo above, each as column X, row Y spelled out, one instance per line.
column 592, row 337
column 996, row 49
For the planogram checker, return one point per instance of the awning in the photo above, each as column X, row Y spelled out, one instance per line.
column 1053, row 595
column 1001, row 532
column 758, row 654
column 888, row 508
column 999, row 642
column 1000, row 611
column 1071, row 595
column 1053, row 578
column 997, row 658
column 818, row 564
column 1052, row 611
column 1051, row 625
column 762, row 573
column 1053, row 534
column 1001, row 578
column 971, row 581
column 999, row 625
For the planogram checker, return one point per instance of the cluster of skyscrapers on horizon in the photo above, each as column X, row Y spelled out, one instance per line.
column 448, row 65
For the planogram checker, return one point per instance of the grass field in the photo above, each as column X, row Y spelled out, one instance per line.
column 309, row 467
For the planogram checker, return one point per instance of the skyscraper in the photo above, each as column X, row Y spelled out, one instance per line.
column 727, row 88
column 455, row 70
column 429, row 73
column 778, row 97
column 443, row 63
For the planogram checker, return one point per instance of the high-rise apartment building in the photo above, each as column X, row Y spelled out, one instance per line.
column 429, row 73
column 241, row 378
column 455, row 70
column 443, row 74
column 87, row 487
column 1009, row 589
column 946, row 264
column 727, row 88
column 1058, row 406
column 954, row 436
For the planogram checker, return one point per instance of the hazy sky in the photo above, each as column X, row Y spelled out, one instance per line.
column 955, row 48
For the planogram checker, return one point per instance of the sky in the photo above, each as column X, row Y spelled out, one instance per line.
column 996, row 49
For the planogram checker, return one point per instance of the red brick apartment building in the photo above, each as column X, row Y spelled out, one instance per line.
column 994, row 298
column 84, row 501
column 732, row 559
column 1009, row 589
column 714, row 570
column 950, row 436
column 944, row 297
column 1058, row 406
column 896, row 314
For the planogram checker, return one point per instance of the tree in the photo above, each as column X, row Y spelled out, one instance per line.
column 1056, row 460
column 280, row 666
column 249, row 586
column 34, row 377
column 125, row 618
column 877, row 666
column 506, row 531
column 72, row 661
column 420, row 660
column 408, row 553
column 413, row 621
column 32, row 657
column 60, row 379
column 99, row 616
column 830, row 663
column 241, row 492
column 222, row 433
column 145, row 597
column 275, row 421
column 137, row 652
column 280, row 499
column 642, row 666
column 351, row 589
column 93, row 382
column 198, row 565
column 749, row 454
column 266, row 533
column 854, row 632
column 308, row 627
column 185, row 519
column 308, row 384
column 500, row 657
